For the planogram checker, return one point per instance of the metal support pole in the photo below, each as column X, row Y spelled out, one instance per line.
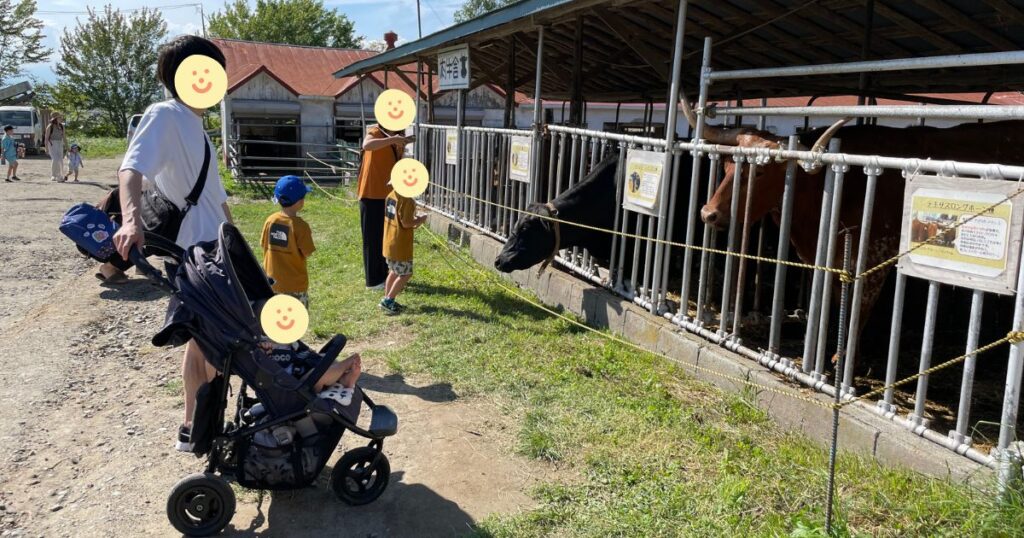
column 745, row 237
column 885, row 406
column 460, row 150
column 840, row 350
column 672, row 109
column 1007, row 460
column 737, row 179
column 419, row 89
column 872, row 172
column 862, row 83
column 916, row 420
column 826, row 290
column 691, row 214
column 963, row 414
column 362, row 108
column 815, row 307
column 538, row 117
column 785, row 223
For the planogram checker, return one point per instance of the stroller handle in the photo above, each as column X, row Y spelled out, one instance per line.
column 155, row 244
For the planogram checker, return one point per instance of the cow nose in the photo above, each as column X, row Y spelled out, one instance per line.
column 709, row 215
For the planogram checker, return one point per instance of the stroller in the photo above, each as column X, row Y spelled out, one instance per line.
column 212, row 284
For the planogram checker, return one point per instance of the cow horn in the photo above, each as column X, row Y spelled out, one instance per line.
column 712, row 134
column 819, row 147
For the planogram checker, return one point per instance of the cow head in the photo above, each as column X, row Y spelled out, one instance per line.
column 530, row 243
column 769, row 179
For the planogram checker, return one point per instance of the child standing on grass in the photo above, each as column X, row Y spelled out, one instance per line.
column 287, row 240
column 9, row 154
column 399, row 222
column 74, row 161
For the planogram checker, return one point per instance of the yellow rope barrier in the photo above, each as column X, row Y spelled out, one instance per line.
column 488, row 277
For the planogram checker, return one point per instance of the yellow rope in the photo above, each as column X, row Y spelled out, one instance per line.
column 1013, row 337
column 338, row 198
column 652, row 239
column 489, row 277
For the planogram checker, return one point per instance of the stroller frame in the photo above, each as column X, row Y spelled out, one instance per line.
column 203, row 504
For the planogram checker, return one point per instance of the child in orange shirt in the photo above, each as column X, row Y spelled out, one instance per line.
column 287, row 240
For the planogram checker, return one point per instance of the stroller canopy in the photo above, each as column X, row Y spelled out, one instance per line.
column 214, row 284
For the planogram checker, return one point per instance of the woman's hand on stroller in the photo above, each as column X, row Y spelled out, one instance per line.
column 128, row 236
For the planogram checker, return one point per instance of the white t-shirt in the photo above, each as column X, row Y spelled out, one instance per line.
column 167, row 149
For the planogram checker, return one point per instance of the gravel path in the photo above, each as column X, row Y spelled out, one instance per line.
column 90, row 408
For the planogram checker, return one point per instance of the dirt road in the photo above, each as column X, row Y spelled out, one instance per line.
column 90, row 408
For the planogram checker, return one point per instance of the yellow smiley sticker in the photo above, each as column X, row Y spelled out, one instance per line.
column 284, row 319
column 200, row 81
column 394, row 110
column 409, row 178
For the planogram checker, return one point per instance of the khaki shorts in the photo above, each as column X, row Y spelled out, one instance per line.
column 400, row 268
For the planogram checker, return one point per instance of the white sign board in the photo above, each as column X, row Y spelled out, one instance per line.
column 453, row 68
column 642, row 183
column 519, row 158
column 981, row 253
column 451, row 146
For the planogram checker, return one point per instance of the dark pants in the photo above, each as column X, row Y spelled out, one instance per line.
column 371, row 219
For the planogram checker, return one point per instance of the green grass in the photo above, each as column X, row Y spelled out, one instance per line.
column 645, row 450
column 101, row 147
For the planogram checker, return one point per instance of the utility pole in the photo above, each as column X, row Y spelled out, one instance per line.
column 202, row 16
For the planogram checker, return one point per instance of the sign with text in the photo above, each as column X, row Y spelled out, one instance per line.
column 451, row 146
column 966, row 232
column 453, row 68
column 519, row 158
column 644, row 171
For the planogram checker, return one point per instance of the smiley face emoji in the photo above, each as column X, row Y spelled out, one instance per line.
column 200, row 81
column 284, row 319
column 409, row 178
column 394, row 110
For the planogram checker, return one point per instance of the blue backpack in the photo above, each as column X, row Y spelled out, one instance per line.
column 91, row 230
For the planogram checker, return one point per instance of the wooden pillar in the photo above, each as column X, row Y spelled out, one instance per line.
column 430, row 92
column 510, row 87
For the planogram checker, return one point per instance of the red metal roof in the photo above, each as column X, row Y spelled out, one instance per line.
column 310, row 70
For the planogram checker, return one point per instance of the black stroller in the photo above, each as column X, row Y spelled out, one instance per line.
column 212, row 285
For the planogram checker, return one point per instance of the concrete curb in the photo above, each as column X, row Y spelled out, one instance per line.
column 861, row 431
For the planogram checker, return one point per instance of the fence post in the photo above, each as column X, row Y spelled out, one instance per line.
column 538, row 119
column 1007, row 460
column 672, row 109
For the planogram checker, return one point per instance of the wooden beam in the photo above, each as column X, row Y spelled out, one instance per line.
column 412, row 84
column 956, row 17
column 576, row 103
column 1007, row 10
column 896, row 17
column 627, row 35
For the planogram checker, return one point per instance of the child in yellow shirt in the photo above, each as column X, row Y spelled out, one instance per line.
column 399, row 222
column 287, row 240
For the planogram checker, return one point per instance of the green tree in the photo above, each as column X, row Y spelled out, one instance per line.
column 21, row 38
column 474, row 8
column 110, row 60
column 292, row 22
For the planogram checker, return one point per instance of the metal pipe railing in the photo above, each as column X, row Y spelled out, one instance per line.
column 914, row 112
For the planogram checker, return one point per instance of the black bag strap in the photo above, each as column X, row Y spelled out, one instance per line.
column 197, row 190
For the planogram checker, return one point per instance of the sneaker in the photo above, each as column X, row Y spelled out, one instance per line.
column 389, row 307
column 7, row 180
column 16, row 178
column 399, row 306
column 377, row 287
column 184, row 443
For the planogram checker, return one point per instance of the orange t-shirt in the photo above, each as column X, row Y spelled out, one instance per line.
column 375, row 169
column 287, row 242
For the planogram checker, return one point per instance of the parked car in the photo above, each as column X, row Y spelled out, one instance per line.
column 133, row 123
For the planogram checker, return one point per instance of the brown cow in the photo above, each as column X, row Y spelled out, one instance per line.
column 999, row 142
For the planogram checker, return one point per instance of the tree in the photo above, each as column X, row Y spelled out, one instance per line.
column 474, row 8
column 110, row 60
column 21, row 38
column 292, row 22
column 71, row 103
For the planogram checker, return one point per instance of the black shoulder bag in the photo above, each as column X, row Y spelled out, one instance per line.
column 160, row 215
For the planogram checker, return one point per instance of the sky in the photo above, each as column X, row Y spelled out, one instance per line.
column 372, row 19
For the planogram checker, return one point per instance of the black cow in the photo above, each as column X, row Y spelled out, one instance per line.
column 590, row 202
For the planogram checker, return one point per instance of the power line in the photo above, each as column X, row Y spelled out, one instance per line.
column 436, row 14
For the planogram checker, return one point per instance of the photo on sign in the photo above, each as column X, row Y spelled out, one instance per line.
column 451, row 146
column 643, row 181
column 519, row 158
column 963, row 232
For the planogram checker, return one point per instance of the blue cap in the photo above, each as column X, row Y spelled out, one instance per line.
column 289, row 190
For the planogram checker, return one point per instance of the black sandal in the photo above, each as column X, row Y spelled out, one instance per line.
column 114, row 279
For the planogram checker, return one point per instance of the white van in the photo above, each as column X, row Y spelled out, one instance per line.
column 28, row 126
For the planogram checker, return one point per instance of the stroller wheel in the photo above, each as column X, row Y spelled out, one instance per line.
column 358, row 479
column 201, row 505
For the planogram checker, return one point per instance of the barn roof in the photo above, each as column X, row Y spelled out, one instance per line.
column 627, row 45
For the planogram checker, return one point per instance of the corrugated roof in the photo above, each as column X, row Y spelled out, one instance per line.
column 627, row 45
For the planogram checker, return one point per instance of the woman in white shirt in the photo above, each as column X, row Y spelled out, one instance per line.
column 167, row 149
